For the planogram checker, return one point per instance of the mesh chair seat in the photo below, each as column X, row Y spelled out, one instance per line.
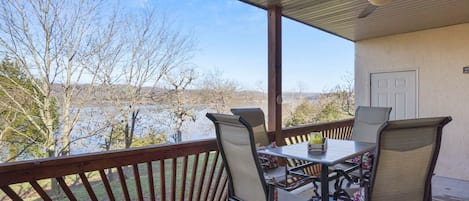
column 368, row 120
column 406, row 156
column 236, row 144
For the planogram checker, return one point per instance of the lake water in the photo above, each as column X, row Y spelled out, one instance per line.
column 151, row 119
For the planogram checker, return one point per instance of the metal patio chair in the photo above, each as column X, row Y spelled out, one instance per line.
column 407, row 152
column 237, row 147
column 367, row 122
column 256, row 118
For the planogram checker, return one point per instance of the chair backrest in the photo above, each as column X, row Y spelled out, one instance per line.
column 407, row 151
column 236, row 144
column 367, row 122
column 255, row 117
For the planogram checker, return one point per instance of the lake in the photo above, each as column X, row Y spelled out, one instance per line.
column 151, row 119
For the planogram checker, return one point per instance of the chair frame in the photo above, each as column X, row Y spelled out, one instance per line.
column 244, row 124
column 391, row 126
column 388, row 112
column 436, row 151
column 294, row 171
column 345, row 173
column 239, row 111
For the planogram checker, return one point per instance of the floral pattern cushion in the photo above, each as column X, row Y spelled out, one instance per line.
column 267, row 161
column 359, row 195
column 356, row 195
column 367, row 160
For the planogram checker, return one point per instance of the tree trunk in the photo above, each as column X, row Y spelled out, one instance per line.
column 179, row 125
column 55, row 189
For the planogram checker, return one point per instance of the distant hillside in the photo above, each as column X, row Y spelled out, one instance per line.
column 295, row 96
column 99, row 95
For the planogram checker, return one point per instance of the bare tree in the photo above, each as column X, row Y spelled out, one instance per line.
column 347, row 95
column 177, row 83
column 343, row 95
column 150, row 47
column 217, row 91
column 56, row 44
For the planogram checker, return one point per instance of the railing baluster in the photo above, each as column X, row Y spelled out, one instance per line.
column 223, row 188
column 87, row 185
column 218, row 178
column 194, row 175
column 162, row 181
column 202, row 177
column 212, row 172
column 151, row 184
column 298, row 139
column 183, row 179
column 106, row 185
column 138, row 184
column 173, row 179
column 40, row 191
column 125, row 190
column 13, row 196
column 66, row 189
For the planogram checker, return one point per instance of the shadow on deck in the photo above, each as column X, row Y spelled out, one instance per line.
column 448, row 189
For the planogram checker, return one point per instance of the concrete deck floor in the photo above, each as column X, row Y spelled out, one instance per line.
column 443, row 189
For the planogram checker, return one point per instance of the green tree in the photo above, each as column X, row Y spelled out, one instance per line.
column 20, row 123
column 59, row 45
column 149, row 139
column 302, row 114
column 329, row 112
column 336, row 104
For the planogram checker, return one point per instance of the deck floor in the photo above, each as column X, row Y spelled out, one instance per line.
column 443, row 189
column 447, row 189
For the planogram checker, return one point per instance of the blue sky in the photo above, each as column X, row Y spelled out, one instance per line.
column 231, row 36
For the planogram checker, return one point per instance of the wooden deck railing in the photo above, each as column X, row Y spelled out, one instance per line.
column 187, row 171
column 335, row 130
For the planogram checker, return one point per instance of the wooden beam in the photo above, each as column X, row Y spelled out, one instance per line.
column 275, row 72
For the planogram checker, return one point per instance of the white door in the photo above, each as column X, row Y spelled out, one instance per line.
column 396, row 90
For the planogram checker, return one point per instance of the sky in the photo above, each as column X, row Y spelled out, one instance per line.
column 231, row 37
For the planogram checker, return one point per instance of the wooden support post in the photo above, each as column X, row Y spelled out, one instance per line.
column 275, row 72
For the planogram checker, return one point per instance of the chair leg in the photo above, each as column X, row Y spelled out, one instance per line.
column 316, row 187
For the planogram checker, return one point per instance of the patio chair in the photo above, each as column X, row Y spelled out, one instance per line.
column 407, row 152
column 237, row 147
column 255, row 117
column 365, row 129
column 367, row 122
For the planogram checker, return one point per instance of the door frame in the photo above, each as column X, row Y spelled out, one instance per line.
column 398, row 71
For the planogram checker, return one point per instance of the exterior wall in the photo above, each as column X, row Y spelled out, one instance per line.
column 438, row 56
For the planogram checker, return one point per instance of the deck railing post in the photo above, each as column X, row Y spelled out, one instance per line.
column 275, row 72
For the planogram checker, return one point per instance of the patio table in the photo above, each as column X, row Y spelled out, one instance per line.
column 337, row 151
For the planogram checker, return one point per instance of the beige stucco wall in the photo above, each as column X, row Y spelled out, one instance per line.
column 438, row 56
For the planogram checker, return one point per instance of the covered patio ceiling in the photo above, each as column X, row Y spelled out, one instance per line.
column 340, row 17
